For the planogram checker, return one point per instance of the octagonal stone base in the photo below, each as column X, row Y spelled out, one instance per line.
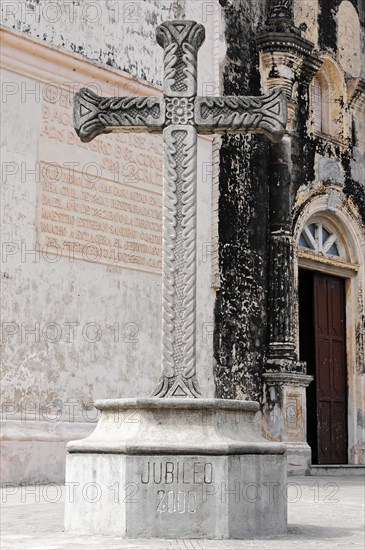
column 176, row 468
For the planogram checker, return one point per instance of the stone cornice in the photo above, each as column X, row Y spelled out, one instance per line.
column 356, row 92
column 283, row 41
column 294, row 45
column 312, row 260
column 311, row 65
column 285, row 59
column 286, row 378
column 282, row 364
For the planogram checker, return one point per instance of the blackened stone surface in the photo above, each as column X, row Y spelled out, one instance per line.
column 241, row 331
column 328, row 24
column 327, row 21
column 357, row 192
column 240, row 314
column 304, row 150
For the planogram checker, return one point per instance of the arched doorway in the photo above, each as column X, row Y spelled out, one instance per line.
column 330, row 278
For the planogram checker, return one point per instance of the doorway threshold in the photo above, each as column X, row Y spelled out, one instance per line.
column 338, row 470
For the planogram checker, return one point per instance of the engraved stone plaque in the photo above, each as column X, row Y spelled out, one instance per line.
column 100, row 202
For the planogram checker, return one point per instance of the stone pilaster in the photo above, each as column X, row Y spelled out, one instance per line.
column 285, row 378
column 281, row 328
column 285, row 59
column 282, row 355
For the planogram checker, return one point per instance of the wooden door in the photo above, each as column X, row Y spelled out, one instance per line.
column 330, row 369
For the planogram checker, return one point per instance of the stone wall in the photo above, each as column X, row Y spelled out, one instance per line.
column 112, row 45
column 81, row 230
column 240, row 313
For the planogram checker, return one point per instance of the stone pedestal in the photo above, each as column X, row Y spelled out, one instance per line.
column 176, row 468
column 286, row 416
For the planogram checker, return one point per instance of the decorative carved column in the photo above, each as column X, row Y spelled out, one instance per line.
column 285, row 59
column 282, row 347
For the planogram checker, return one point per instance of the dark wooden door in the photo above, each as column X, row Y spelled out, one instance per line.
column 330, row 370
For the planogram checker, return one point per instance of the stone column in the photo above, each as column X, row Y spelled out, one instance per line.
column 285, row 377
column 282, row 354
column 285, row 58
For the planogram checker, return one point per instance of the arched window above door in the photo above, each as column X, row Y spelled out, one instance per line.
column 320, row 239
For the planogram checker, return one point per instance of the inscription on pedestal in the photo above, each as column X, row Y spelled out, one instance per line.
column 177, row 472
column 181, row 481
column 178, row 502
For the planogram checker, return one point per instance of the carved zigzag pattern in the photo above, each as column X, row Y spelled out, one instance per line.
column 94, row 115
column 179, row 263
column 181, row 42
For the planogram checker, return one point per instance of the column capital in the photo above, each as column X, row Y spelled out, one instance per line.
column 287, row 379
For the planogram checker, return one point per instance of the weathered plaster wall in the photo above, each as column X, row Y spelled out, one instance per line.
column 347, row 161
column 120, row 34
column 305, row 17
column 349, row 51
column 328, row 23
column 240, row 314
column 49, row 386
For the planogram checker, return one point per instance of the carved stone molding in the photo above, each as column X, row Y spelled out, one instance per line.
column 284, row 42
column 266, row 115
column 179, row 111
column 287, row 379
column 94, row 115
column 286, row 58
column 356, row 91
column 181, row 41
column 179, row 264
column 275, row 365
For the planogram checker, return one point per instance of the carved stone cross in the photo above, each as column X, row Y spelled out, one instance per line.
column 180, row 115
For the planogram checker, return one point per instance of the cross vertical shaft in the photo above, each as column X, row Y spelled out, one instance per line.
column 181, row 43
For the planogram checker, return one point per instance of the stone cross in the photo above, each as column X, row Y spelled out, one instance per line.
column 180, row 115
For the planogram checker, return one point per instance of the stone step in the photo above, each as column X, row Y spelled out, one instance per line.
column 338, row 470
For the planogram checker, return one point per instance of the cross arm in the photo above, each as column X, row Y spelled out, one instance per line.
column 240, row 114
column 94, row 115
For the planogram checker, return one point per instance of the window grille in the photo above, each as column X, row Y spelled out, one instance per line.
column 318, row 239
column 317, row 104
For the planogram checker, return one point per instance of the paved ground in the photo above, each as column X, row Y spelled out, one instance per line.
column 323, row 513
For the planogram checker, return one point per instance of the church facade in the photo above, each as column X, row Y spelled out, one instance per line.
column 281, row 228
column 290, row 302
